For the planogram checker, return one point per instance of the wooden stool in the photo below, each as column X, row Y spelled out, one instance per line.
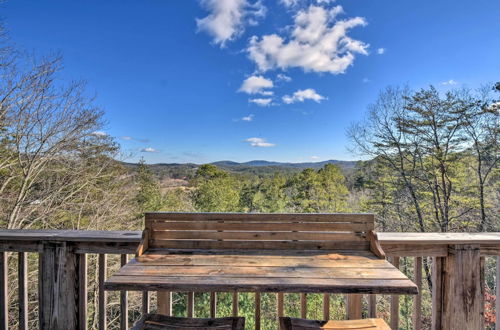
column 163, row 322
column 287, row 323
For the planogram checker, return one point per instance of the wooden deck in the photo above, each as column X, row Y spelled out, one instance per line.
column 443, row 248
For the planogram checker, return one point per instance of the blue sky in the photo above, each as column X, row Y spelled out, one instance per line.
column 200, row 81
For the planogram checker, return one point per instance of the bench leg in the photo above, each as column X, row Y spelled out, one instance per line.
column 164, row 302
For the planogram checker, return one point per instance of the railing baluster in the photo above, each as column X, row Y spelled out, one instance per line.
column 437, row 291
column 213, row 304
column 280, row 305
column 4, row 294
column 395, row 302
column 372, row 305
column 82, row 291
column 164, row 302
column 190, row 304
column 235, row 303
column 417, row 303
column 123, row 300
column 354, row 306
column 23, row 290
column 497, row 325
column 102, row 293
column 145, row 302
column 257, row 310
column 303, row 305
column 326, row 306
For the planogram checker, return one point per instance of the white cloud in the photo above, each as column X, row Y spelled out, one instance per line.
column 259, row 142
column 100, row 133
column 227, row 18
column 381, row 51
column 149, row 149
column 289, row 3
column 315, row 157
column 449, row 82
column 318, row 42
column 263, row 102
column 303, row 94
column 365, row 80
column 283, row 77
column 256, row 85
column 248, row 118
column 126, row 138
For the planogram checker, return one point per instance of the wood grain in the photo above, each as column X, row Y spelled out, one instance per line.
column 287, row 323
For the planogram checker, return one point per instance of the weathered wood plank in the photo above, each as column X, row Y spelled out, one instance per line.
column 267, row 272
column 58, row 286
column 395, row 302
column 164, row 301
column 372, row 306
column 82, row 291
column 145, row 302
column 262, row 226
column 438, row 238
column 257, row 311
column 123, row 300
column 303, row 305
column 262, row 217
column 262, row 245
column 102, row 292
column 497, row 325
column 462, row 298
column 326, row 306
column 213, row 304
column 190, row 304
column 22, row 268
column 235, row 303
column 254, row 236
column 417, row 300
column 287, row 323
column 214, row 283
column 280, row 306
column 438, row 264
column 4, row 291
column 157, row 321
column 414, row 250
column 354, row 306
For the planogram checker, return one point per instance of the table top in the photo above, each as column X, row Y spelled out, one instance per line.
column 261, row 270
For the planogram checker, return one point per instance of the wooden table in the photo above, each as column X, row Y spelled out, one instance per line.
column 194, row 270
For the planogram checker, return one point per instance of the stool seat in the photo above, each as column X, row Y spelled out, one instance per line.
column 163, row 322
column 288, row 323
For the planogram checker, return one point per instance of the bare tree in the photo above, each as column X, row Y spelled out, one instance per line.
column 481, row 124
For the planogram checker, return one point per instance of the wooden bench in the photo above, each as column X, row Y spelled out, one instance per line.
column 287, row 323
column 163, row 322
column 304, row 253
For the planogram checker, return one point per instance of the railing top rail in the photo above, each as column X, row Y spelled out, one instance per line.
column 70, row 235
column 135, row 236
column 439, row 238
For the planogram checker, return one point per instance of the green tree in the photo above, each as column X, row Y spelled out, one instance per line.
column 216, row 190
column 149, row 197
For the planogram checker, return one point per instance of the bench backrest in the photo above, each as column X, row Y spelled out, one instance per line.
column 259, row 231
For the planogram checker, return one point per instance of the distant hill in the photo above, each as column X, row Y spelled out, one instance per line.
column 255, row 167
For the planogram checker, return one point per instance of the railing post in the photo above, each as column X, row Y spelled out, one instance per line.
column 459, row 285
column 58, row 286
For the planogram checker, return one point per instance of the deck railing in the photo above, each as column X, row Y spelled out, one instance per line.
column 456, row 264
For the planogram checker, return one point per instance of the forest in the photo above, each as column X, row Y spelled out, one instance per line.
column 431, row 164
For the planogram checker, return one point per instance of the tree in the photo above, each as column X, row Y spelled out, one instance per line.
column 481, row 125
column 149, row 196
column 216, row 190
column 380, row 136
